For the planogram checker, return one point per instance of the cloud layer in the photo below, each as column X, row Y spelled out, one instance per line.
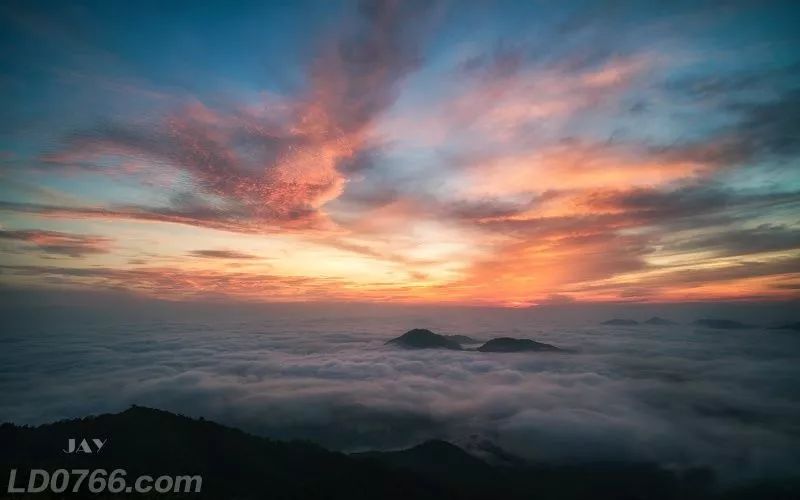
column 675, row 395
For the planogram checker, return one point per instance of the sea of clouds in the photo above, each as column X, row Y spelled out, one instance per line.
column 677, row 395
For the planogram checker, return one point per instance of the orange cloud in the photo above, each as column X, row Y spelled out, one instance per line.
column 575, row 166
column 497, row 187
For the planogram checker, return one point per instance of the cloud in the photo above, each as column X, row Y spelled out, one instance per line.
column 529, row 270
column 183, row 284
column 201, row 216
column 762, row 238
column 693, row 202
column 734, row 88
column 222, row 254
column 58, row 243
column 576, row 165
column 278, row 163
column 685, row 398
column 508, row 108
column 556, row 299
column 582, row 154
column 763, row 130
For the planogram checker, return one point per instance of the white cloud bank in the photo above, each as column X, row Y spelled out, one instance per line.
column 675, row 395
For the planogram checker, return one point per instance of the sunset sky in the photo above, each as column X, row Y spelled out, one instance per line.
column 480, row 153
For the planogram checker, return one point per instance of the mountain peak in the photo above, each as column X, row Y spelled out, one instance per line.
column 508, row 344
column 422, row 338
column 655, row 320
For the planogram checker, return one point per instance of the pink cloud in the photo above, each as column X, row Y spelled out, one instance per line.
column 59, row 243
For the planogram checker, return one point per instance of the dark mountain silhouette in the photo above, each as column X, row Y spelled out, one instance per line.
column 655, row 320
column 433, row 457
column 233, row 464
column 237, row 465
column 463, row 339
column 420, row 338
column 508, row 344
column 721, row 324
column 620, row 322
column 492, row 453
column 788, row 326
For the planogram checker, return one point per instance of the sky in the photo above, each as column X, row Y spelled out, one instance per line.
column 480, row 153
